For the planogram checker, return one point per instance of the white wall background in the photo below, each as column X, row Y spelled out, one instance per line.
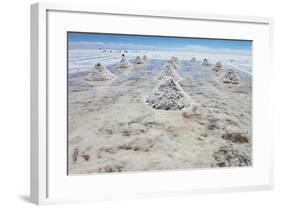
column 14, row 102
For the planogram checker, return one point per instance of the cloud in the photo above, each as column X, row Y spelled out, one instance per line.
column 85, row 45
column 186, row 48
column 117, row 46
column 205, row 49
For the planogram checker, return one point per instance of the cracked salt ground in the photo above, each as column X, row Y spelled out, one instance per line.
column 111, row 129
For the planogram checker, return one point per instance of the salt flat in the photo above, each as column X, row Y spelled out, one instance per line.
column 112, row 129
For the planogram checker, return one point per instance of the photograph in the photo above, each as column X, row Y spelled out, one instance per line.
column 140, row 103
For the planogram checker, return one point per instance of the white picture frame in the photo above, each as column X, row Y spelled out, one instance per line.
column 49, row 181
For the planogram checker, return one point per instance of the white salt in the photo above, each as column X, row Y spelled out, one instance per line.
column 230, row 77
column 168, row 96
column 205, row 62
column 139, row 60
column 100, row 73
column 124, row 63
column 169, row 71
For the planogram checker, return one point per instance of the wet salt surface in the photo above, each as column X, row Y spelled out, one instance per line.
column 111, row 129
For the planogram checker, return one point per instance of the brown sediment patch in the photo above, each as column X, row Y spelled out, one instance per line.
column 204, row 135
column 189, row 115
column 152, row 124
column 228, row 156
column 75, row 154
column 86, row 157
column 135, row 145
column 137, row 120
column 126, row 133
column 108, row 131
column 75, row 140
column 200, row 139
column 138, row 145
column 111, row 168
column 236, row 138
column 213, row 124
column 132, row 147
column 231, row 122
column 186, row 115
column 111, row 150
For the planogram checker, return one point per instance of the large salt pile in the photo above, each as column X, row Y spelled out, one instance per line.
column 230, row 77
column 124, row 63
column 205, row 62
column 145, row 59
column 139, row 60
column 100, row 73
column 169, row 71
column 193, row 60
column 168, row 96
column 217, row 67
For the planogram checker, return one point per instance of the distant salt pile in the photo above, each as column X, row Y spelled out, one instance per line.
column 205, row 62
column 124, row 63
column 230, row 77
column 100, row 73
column 193, row 60
column 169, row 71
column 139, row 60
column 173, row 63
column 145, row 59
column 217, row 67
column 168, row 96
column 176, row 60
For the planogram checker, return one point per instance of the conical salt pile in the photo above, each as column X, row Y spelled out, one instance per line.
column 139, row 60
column 176, row 60
column 173, row 63
column 124, row 63
column 193, row 60
column 169, row 71
column 230, row 77
column 168, row 96
column 205, row 62
column 217, row 67
column 145, row 59
column 100, row 73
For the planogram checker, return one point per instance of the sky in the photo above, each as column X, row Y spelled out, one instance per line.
column 78, row 40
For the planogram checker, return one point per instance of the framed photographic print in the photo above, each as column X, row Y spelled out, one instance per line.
column 133, row 103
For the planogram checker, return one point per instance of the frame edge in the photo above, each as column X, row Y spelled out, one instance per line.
column 34, row 154
column 38, row 38
column 38, row 99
